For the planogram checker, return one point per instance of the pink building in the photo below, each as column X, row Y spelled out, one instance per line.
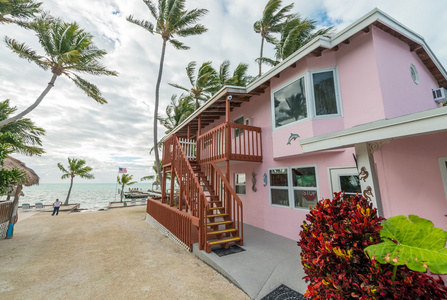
column 353, row 113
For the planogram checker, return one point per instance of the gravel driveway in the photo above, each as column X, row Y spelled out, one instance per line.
column 103, row 255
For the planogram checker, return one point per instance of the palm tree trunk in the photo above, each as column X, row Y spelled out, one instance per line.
column 34, row 105
column 260, row 55
column 69, row 191
column 157, row 98
column 122, row 192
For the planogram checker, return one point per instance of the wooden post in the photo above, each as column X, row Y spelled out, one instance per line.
column 199, row 132
column 163, row 186
column 171, row 195
column 189, row 133
column 227, row 153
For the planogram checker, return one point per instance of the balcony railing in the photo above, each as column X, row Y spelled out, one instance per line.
column 230, row 141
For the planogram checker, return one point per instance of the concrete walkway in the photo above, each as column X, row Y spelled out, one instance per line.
column 269, row 261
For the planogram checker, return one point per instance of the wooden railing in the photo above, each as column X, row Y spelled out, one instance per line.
column 230, row 141
column 190, row 189
column 188, row 146
column 5, row 211
column 177, row 222
column 230, row 200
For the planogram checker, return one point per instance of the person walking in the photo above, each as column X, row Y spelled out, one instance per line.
column 56, row 206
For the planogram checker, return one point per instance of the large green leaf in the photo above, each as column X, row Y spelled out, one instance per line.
column 413, row 242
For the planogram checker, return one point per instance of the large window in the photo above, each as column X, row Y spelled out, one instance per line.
column 291, row 102
column 297, row 183
column 325, row 97
column 239, row 183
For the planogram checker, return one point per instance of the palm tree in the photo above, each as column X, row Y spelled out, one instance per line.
column 69, row 50
column 14, row 11
column 296, row 33
column 26, row 134
column 177, row 111
column 123, row 181
column 76, row 167
column 171, row 19
column 238, row 78
column 203, row 84
column 271, row 22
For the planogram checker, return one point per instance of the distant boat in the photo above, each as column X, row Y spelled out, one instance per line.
column 136, row 194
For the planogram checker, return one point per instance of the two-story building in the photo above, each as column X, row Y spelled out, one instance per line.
column 355, row 113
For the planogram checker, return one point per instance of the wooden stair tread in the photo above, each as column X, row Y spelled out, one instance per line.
column 222, row 231
column 216, row 215
column 218, row 207
column 219, row 223
column 223, row 241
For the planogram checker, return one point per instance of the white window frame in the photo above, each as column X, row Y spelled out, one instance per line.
column 236, row 184
column 336, row 88
column 287, row 188
column 272, row 101
column 310, row 98
column 290, row 188
column 443, row 167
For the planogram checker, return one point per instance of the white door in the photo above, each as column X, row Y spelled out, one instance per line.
column 346, row 180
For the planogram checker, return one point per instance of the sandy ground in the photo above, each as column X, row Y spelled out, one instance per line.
column 104, row 255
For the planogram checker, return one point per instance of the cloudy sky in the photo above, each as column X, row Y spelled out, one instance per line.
column 119, row 134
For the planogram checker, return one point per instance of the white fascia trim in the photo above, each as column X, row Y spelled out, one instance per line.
column 426, row 122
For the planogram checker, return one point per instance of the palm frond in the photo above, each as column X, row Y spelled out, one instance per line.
column 142, row 23
column 89, row 88
column 195, row 30
column 26, row 52
column 178, row 45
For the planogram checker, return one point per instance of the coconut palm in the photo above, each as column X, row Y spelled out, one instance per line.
column 177, row 111
column 26, row 134
column 76, row 167
column 296, row 33
column 202, row 84
column 126, row 179
column 15, row 11
column 272, row 21
column 69, row 50
column 172, row 19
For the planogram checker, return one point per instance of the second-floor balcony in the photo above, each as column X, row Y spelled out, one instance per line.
column 228, row 141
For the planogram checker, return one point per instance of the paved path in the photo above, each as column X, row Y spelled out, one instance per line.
column 103, row 255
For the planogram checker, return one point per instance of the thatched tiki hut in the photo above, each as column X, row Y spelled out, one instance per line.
column 8, row 208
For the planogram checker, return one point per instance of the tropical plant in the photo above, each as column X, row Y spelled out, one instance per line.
column 8, row 178
column 27, row 135
column 171, row 19
column 295, row 33
column 202, row 84
column 271, row 22
column 126, row 179
column 69, row 50
column 413, row 242
column 15, row 11
column 152, row 177
column 238, row 78
column 76, row 167
column 176, row 112
column 332, row 245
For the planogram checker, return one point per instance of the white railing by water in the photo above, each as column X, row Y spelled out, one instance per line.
column 189, row 147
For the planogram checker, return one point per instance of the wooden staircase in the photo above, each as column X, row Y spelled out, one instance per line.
column 220, row 227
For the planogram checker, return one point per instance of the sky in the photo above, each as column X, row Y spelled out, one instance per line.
column 120, row 133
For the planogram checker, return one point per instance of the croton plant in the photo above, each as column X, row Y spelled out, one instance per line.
column 332, row 242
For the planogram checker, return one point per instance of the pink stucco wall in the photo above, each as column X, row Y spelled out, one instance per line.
column 410, row 177
column 401, row 95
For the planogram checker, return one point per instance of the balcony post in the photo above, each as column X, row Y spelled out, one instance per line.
column 199, row 132
column 227, row 152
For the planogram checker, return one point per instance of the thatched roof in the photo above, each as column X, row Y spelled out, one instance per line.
column 12, row 163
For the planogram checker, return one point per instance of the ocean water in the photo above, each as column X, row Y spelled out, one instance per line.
column 92, row 196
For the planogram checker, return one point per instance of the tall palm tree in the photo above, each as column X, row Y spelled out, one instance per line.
column 126, row 179
column 177, row 111
column 69, row 50
column 172, row 19
column 238, row 78
column 272, row 21
column 14, row 11
column 76, row 167
column 202, row 84
column 26, row 134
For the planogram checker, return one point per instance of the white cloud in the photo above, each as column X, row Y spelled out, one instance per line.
column 119, row 134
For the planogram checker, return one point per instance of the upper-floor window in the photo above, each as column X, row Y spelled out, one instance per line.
column 239, row 120
column 313, row 93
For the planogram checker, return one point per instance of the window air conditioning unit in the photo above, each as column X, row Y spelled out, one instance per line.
column 439, row 95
